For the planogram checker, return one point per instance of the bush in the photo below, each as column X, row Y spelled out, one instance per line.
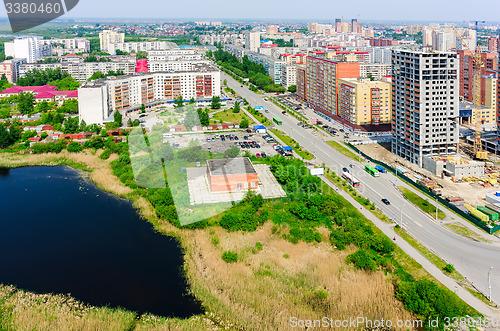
column 449, row 268
column 362, row 260
column 74, row 147
column 230, row 256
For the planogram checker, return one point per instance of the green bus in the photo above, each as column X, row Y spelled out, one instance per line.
column 372, row 171
column 277, row 121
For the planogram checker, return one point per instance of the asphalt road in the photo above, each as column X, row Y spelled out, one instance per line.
column 472, row 259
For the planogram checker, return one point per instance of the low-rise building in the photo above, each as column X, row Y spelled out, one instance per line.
column 231, row 175
column 42, row 93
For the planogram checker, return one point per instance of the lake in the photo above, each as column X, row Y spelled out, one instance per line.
column 60, row 234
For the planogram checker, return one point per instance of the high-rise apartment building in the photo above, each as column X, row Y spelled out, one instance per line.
column 493, row 44
column 320, row 84
column 108, row 37
column 252, row 41
column 467, row 69
column 11, row 69
column 425, row 91
column 29, row 48
column 365, row 102
column 355, row 28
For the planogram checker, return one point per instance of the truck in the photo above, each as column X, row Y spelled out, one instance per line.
column 380, row 169
column 493, row 215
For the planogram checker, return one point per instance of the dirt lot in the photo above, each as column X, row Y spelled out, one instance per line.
column 473, row 194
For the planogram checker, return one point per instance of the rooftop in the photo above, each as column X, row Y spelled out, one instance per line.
column 223, row 167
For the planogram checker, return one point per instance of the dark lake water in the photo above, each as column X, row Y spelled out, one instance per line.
column 60, row 234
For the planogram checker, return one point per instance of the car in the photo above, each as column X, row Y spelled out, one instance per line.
column 257, row 145
column 236, row 138
column 142, row 115
column 351, row 165
column 245, row 137
column 387, row 202
column 341, row 130
column 345, row 170
column 284, row 112
column 257, row 155
column 263, row 155
column 267, row 110
column 213, row 139
column 241, row 85
column 208, row 139
column 231, row 138
column 222, row 138
column 300, row 123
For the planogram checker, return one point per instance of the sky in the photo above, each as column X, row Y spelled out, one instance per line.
column 321, row 10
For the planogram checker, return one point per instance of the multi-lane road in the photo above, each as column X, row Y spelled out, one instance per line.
column 471, row 258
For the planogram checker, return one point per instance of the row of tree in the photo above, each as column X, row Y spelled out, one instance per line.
column 62, row 80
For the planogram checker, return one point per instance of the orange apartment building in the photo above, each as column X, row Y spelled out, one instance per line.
column 489, row 72
column 318, row 85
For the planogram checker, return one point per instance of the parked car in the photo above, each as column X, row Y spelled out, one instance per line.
column 236, row 138
column 257, row 145
column 267, row 110
column 222, row 138
column 345, row 170
column 245, row 137
column 263, row 155
column 257, row 155
column 387, row 202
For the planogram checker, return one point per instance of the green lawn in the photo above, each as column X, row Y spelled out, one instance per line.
column 292, row 143
column 344, row 150
column 229, row 116
column 422, row 203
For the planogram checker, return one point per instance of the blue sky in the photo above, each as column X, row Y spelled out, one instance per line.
column 327, row 10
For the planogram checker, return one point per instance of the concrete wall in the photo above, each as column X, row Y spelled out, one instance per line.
column 435, row 167
column 93, row 104
column 475, row 169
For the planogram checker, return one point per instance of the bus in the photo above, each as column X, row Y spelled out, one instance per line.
column 372, row 171
column 351, row 179
column 277, row 121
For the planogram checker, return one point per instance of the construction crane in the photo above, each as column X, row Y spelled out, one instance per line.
column 479, row 153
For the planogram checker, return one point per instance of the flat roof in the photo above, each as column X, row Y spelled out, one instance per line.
column 223, row 167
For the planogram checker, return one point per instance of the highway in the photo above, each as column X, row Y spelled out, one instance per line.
column 471, row 258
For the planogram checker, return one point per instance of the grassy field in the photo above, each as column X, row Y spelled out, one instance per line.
column 229, row 116
column 292, row 143
column 422, row 203
column 459, row 228
column 344, row 150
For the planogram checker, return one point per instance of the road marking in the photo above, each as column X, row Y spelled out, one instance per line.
column 417, row 223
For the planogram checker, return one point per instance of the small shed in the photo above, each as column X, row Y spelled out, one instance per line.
column 260, row 128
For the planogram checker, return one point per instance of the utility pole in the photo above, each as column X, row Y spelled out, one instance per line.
column 489, row 283
column 437, row 208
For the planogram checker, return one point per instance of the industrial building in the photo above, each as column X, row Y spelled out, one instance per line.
column 453, row 166
column 425, row 104
column 231, row 175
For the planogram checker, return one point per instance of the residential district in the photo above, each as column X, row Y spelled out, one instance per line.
column 369, row 101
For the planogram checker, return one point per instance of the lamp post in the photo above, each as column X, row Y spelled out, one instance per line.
column 437, row 208
column 489, row 283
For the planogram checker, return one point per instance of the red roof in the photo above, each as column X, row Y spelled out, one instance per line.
column 142, row 66
column 35, row 139
column 44, row 95
column 41, row 92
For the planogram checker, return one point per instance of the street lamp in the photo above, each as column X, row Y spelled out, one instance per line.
column 437, row 208
column 489, row 283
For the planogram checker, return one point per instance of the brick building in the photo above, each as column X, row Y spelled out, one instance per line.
column 230, row 175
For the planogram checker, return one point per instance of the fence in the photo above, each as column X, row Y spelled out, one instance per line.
column 468, row 217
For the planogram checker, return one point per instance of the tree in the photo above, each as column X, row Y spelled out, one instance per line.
column 143, row 109
column 178, row 102
column 4, row 137
column 25, row 104
column 236, row 108
column 244, row 124
column 42, row 107
column 74, row 147
column 232, row 152
column 191, row 119
column 83, row 126
column 192, row 101
column 96, row 75
column 292, row 89
column 118, row 118
column 141, row 55
column 71, row 125
column 69, row 106
column 216, row 104
column 370, row 76
column 204, row 117
column 66, row 84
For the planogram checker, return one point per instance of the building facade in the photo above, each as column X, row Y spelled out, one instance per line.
column 365, row 102
column 252, row 41
column 109, row 37
column 125, row 92
column 425, row 90
column 134, row 47
column 28, row 48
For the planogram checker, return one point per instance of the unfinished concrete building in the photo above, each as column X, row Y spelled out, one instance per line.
column 426, row 104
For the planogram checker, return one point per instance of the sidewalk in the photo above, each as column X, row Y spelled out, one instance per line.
column 452, row 285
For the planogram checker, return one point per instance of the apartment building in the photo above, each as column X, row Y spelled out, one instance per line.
column 493, row 44
column 488, row 76
column 272, row 66
column 211, row 39
column 99, row 99
column 294, row 59
column 67, row 46
column 174, row 55
column 289, row 76
column 180, row 65
column 134, row 47
column 365, row 102
column 28, row 48
column 375, row 70
column 109, row 37
column 11, row 69
column 80, row 70
column 319, row 86
column 425, row 90
column 252, row 41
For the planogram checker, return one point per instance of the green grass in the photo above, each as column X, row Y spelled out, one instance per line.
column 344, row 150
column 460, row 229
column 292, row 143
column 229, row 116
column 422, row 203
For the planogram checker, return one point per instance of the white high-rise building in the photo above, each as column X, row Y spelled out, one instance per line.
column 426, row 104
column 252, row 41
column 108, row 37
column 29, row 48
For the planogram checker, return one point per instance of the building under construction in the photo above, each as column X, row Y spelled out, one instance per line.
column 454, row 166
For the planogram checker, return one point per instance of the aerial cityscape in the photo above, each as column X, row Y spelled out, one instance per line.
column 260, row 166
